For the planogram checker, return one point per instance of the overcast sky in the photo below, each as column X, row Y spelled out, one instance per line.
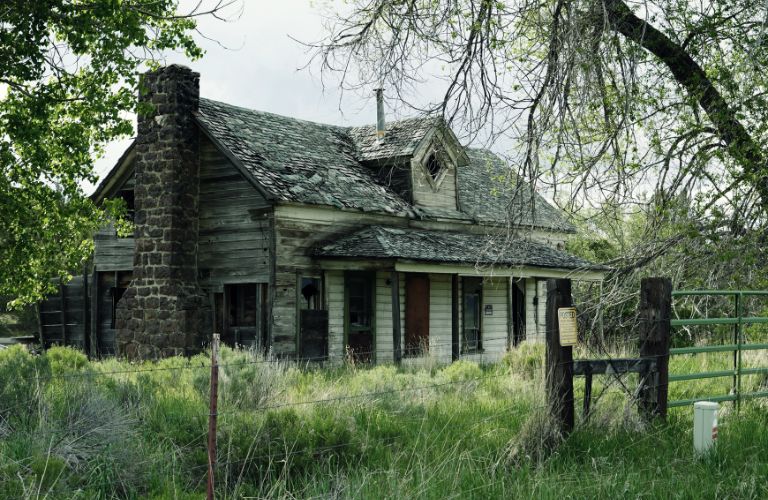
column 253, row 62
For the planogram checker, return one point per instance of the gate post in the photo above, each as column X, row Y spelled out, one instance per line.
column 655, row 314
column 559, row 359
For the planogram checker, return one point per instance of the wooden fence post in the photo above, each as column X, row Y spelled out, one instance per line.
column 559, row 359
column 213, row 412
column 655, row 314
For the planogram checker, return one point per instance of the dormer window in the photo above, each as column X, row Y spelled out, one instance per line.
column 434, row 166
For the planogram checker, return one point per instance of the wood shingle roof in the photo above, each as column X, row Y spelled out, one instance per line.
column 306, row 162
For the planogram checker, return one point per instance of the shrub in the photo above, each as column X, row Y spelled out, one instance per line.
column 21, row 376
column 65, row 360
column 461, row 371
column 526, row 359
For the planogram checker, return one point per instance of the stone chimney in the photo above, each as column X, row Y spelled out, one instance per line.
column 164, row 312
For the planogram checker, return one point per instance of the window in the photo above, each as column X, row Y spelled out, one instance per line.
column 310, row 290
column 359, row 312
column 313, row 320
column 241, row 314
column 472, row 300
column 434, row 166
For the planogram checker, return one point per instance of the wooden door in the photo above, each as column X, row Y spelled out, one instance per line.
column 416, row 314
column 360, row 315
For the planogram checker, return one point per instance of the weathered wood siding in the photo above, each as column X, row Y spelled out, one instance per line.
column 64, row 315
column 494, row 328
column 234, row 225
column 384, row 344
column 440, row 316
column 112, row 253
column 444, row 196
column 334, row 300
column 297, row 232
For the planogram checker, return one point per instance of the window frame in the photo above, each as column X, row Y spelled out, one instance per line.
column 465, row 347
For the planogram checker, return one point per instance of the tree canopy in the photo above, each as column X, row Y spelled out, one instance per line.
column 656, row 106
column 68, row 80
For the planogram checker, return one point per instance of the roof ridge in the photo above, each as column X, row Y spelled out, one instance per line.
column 302, row 120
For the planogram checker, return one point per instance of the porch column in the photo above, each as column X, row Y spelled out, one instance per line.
column 455, row 351
column 396, row 346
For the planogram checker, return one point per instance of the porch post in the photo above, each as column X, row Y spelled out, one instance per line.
column 396, row 346
column 455, row 317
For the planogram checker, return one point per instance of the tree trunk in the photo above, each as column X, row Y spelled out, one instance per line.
column 741, row 146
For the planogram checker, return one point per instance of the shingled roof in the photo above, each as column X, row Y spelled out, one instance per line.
column 305, row 162
column 378, row 242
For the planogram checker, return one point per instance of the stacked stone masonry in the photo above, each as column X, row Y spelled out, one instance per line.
column 164, row 311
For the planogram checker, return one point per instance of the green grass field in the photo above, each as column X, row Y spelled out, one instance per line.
column 71, row 428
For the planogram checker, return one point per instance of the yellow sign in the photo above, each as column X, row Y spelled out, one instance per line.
column 569, row 332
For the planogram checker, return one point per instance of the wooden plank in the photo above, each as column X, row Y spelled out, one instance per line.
column 559, row 359
column 62, row 295
column 455, row 346
column 396, row 333
column 655, row 313
column 94, row 313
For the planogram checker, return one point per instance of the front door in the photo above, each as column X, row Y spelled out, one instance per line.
column 416, row 314
column 359, row 311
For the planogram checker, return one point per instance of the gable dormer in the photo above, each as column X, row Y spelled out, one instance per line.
column 434, row 167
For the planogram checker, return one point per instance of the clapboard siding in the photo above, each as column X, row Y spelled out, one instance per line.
column 295, row 238
column 440, row 327
column 441, row 196
column 112, row 253
column 334, row 300
column 234, row 224
column 384, row 339
column 531, row 316
column 494, row 327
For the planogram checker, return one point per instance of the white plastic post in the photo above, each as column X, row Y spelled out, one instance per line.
column 704, row 425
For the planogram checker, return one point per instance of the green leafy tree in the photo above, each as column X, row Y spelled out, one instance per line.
column 68, row 77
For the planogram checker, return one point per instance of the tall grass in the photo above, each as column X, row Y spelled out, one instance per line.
column 70, row 428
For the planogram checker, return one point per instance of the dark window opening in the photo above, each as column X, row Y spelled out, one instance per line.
column 434, row 166
column 311, row 293
column 313, row 320
column 472, row 300
column 130, row 203
column 122, row 281
column 240, row 314
column 359, row 315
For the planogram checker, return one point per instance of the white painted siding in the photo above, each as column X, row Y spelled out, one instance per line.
column 531, row 332
column 334, row 300
column 440, row 316
column 494, row 327
column 384, row 344
column 423, row 192
column 541, row 325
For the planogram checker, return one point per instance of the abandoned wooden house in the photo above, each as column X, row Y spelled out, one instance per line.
column 312, row 240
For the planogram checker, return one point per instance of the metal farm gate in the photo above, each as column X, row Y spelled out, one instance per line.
column 736, row 344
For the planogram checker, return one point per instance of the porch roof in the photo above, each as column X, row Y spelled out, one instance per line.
column 379, row 242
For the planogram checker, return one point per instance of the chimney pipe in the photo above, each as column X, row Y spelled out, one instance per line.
column 380, row 126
